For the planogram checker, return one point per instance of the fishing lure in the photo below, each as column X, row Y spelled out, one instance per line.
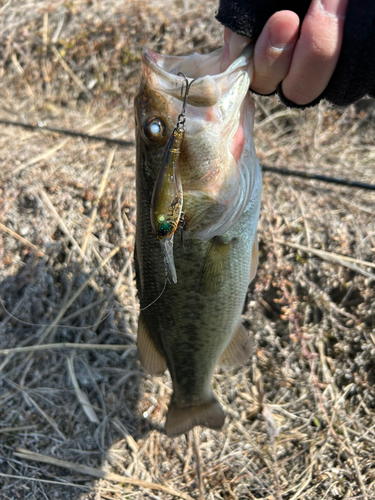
column 167, row 197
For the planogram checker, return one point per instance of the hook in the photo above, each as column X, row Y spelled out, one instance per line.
column 181, row 117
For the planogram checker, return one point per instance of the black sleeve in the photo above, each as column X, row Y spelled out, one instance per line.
column 248, row 17
column 354, row 76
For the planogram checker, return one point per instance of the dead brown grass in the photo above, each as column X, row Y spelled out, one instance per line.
column 300, row 421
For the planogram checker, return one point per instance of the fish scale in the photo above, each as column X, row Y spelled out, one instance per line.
column 190, row 325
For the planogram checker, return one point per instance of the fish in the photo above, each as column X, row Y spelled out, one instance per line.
column 190, row 318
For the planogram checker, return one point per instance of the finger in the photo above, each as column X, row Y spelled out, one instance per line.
column 233, row 46
column 317, row 51
column 274, row 51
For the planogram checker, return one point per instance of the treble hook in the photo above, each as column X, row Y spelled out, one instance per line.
column 181, row 117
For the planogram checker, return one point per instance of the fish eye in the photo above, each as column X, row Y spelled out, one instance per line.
column 155, row 129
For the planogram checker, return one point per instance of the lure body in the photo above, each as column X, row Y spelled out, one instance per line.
column 167, row 198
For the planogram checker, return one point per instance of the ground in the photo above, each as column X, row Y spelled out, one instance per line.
column 300, row 414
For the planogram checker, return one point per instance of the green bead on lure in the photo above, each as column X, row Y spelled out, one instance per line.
column 167, row 197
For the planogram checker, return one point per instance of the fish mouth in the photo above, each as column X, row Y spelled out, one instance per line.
column 210, row 84
column 196, row 65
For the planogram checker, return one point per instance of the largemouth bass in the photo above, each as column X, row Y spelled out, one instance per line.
column 192, row 322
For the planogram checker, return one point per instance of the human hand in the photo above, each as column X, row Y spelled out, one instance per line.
column 303, row 63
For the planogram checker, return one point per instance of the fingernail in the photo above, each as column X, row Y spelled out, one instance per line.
column 282, row 38
column 335, row 7
column 225, row 57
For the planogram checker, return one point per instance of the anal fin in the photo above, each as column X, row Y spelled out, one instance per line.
column 149, row 356
column 239, row 348
column 181, row 420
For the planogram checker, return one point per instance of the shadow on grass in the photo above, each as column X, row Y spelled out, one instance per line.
column 74, row 404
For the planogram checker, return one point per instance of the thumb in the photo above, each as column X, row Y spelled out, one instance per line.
column 233, row 46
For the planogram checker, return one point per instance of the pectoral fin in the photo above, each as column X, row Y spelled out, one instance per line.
column 149, row 356
column 181, row 420
column 254, row 259
column 239, row 348
column 214, row 271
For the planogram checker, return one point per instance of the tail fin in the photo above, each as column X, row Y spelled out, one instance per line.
column 181, row 420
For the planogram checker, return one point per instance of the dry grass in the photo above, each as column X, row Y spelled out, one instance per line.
column 300, row 421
